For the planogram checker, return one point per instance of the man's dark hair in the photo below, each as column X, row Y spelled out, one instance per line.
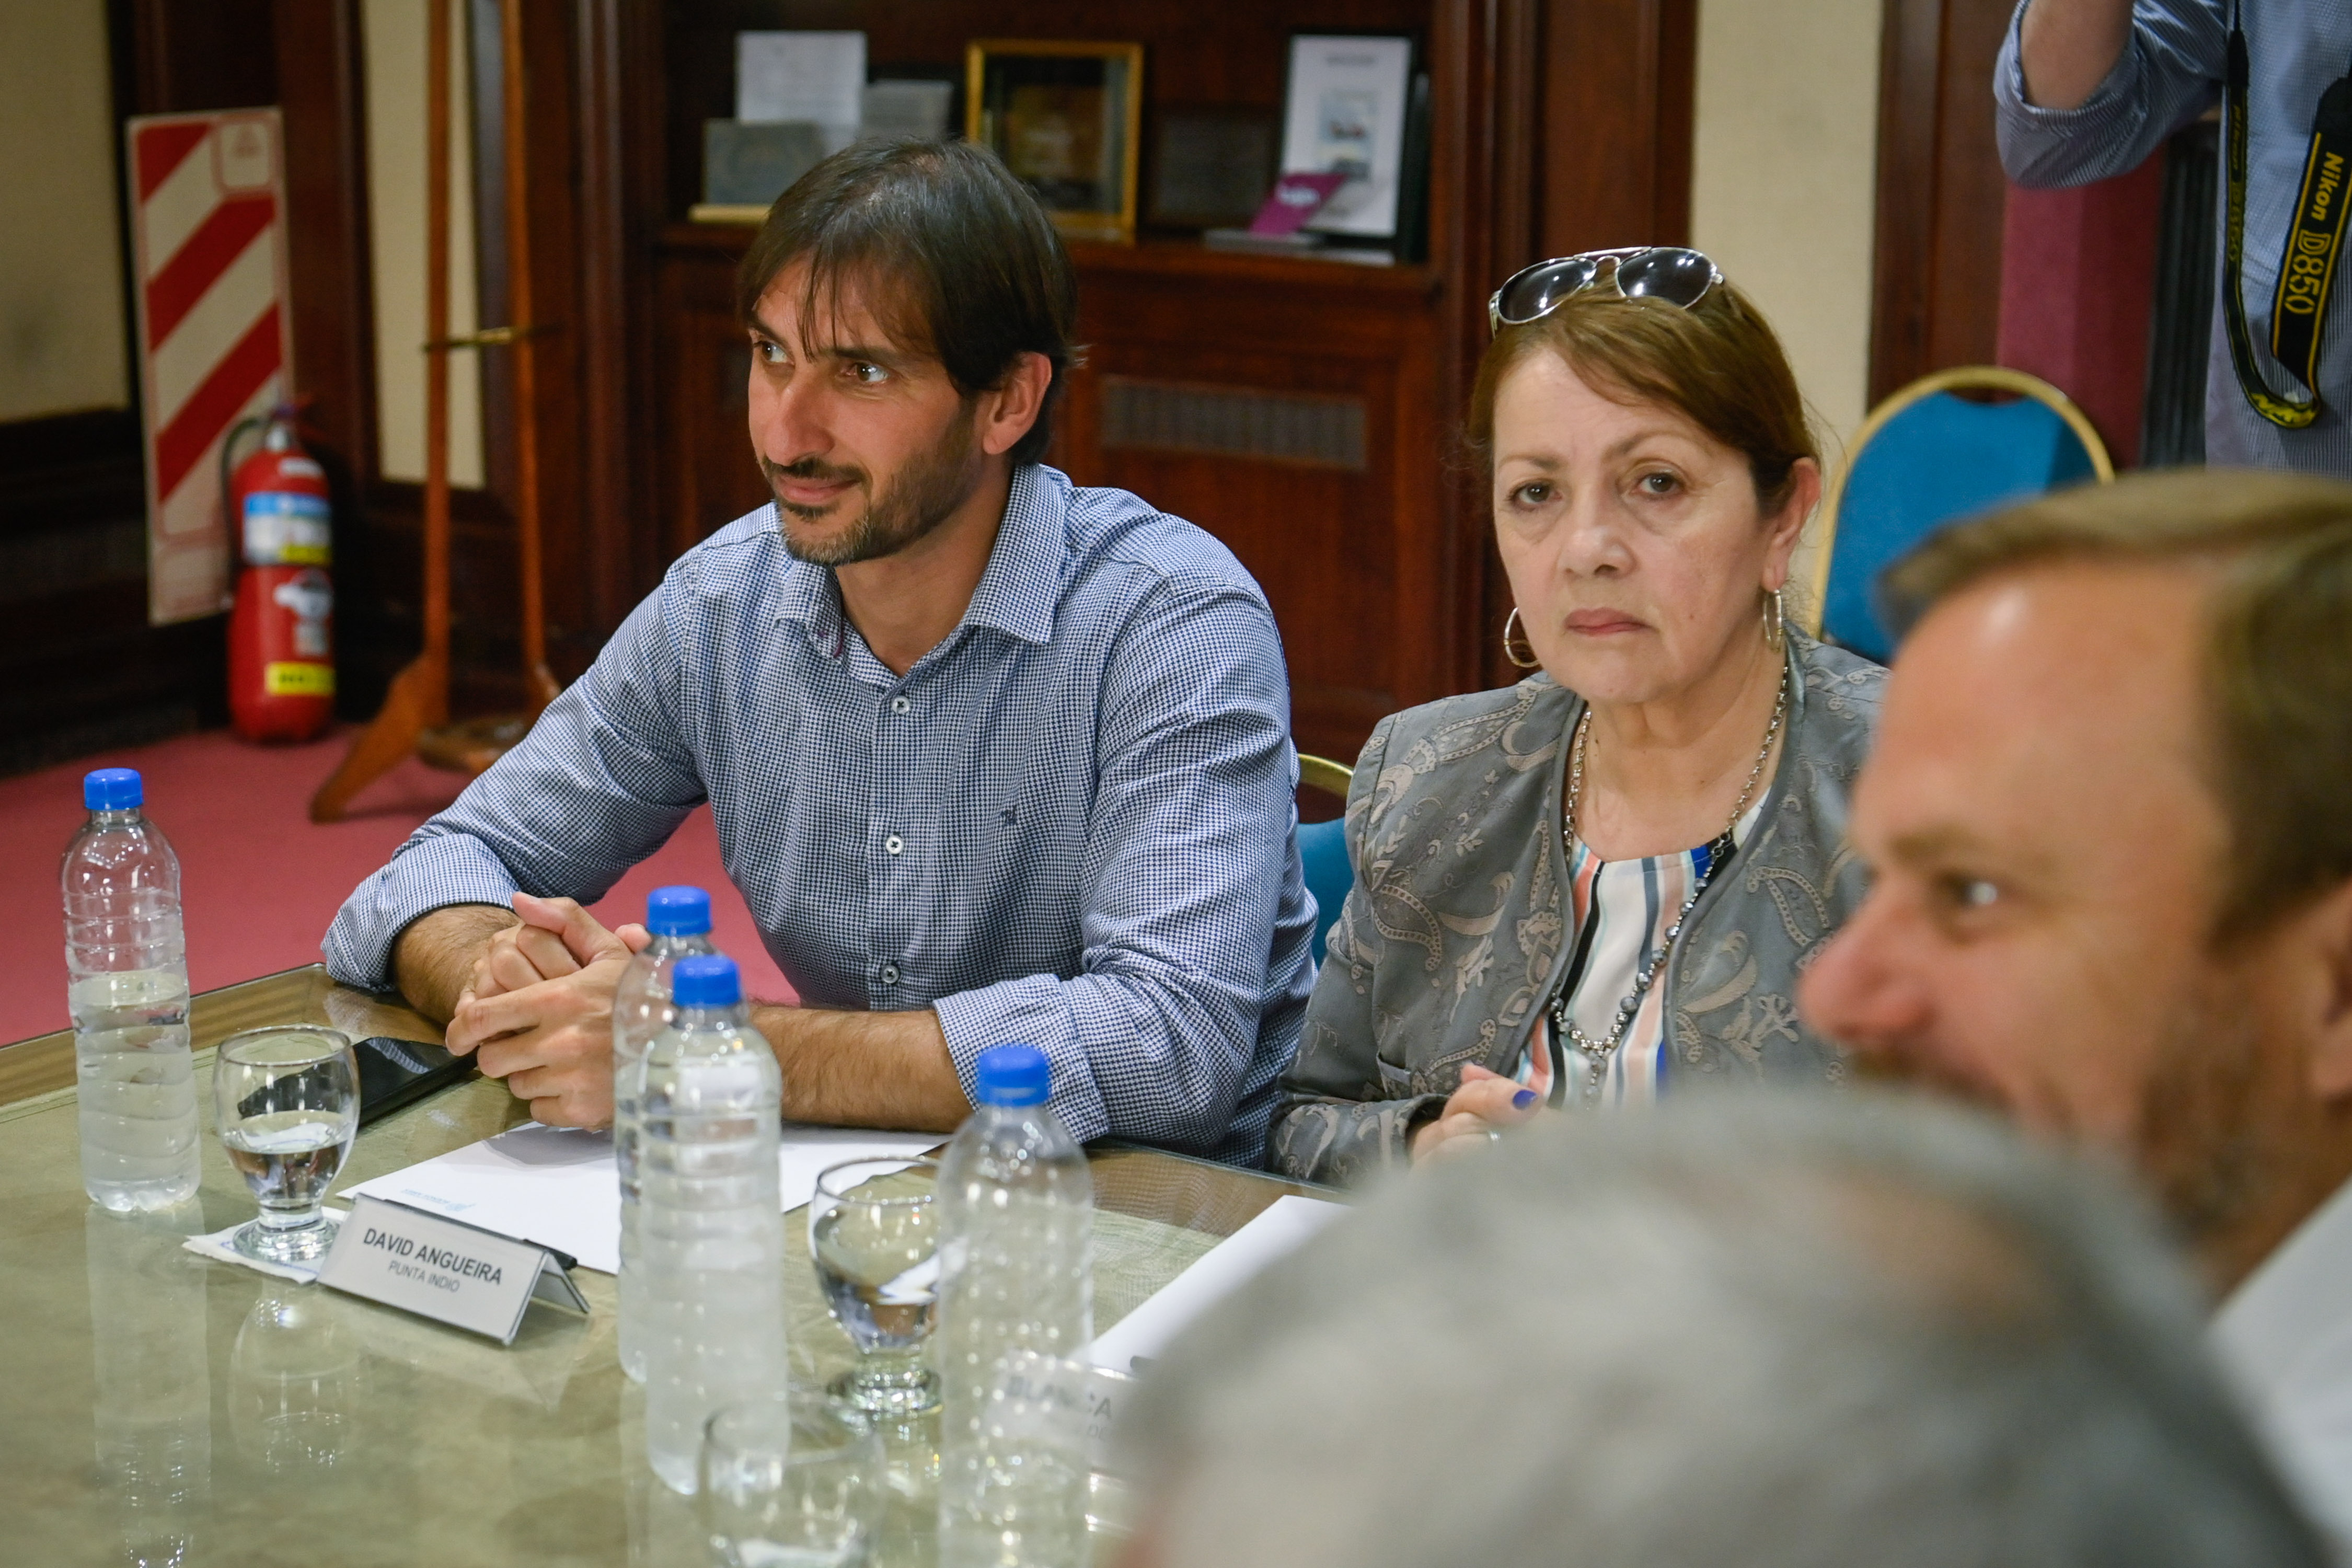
column 981, row 275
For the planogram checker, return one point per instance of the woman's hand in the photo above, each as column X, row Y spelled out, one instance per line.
column 1485, row 1104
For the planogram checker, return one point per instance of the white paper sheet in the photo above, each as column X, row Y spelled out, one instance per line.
column 815, row 76
column 1279, row 1231
column 556, row 1186
column 216, row 1247
column 893, row 109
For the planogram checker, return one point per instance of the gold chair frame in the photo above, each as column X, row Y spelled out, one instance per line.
column 1967, row 377
column 1323, row 774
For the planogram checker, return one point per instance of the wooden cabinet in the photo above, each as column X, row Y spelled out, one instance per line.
column 1293, row 407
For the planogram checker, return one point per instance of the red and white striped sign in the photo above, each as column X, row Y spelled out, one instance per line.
column 214, row 340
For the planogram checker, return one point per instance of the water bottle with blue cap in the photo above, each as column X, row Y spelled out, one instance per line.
column 127, row 988
column 709, row 1226
column 1016, row 1288
column 680, row 921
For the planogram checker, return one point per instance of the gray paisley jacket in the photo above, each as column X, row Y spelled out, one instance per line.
column 1453, row 936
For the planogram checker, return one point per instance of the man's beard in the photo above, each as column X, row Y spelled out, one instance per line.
column 926, row 495
column 2197, row 1139
column 2196, row 1143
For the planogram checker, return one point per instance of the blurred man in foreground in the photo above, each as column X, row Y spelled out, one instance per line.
column 2110, row 818
column 1760, row 1332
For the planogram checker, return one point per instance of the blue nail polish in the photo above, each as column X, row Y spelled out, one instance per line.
column 1524, row 1099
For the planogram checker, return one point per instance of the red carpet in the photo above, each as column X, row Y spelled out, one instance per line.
column 260, row 881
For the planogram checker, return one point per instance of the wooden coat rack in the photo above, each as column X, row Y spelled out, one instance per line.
column 415, row 718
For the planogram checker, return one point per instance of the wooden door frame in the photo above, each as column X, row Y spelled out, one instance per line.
column 1936, row 286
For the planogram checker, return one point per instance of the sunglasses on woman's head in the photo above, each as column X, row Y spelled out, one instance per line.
column 1671, row 273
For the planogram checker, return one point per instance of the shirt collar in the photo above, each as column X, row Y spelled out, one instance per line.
column 810, row 597
column 2293, row 1301
column 1022, row 586
column 1017, row 593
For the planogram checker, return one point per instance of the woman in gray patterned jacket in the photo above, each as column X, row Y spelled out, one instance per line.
column 1603, row 880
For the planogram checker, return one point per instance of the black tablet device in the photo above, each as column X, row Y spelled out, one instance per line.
column 394, row 1073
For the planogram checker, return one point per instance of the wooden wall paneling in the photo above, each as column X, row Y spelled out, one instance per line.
column 703, row 463
column 321, row 101
column 1487, row 165
column 1941, row 193
column 619, row 161
column 1616, row 114
column 80, row 670
column 575, row 624
column 191, row 55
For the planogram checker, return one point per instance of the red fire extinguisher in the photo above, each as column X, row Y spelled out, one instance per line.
column 281, row 664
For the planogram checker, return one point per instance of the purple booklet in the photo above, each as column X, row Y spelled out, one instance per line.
column 1295, row 198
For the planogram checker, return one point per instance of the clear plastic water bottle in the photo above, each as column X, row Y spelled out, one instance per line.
column 1017, row 1244
column 127, row 987
column 680, row 919
column 711, row 1233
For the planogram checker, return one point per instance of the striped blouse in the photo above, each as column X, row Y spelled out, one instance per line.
column 1620, row 910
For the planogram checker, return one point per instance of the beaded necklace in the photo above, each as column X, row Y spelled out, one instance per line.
column 1597, row 1053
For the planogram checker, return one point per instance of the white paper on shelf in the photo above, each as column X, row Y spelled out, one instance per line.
column 1224, row 1268
column 815, row 76
column 556, row 1186
column 893, row 109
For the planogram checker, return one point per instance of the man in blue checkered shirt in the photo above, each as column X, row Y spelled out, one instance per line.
column 991, row 758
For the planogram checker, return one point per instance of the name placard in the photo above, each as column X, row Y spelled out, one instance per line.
column 441, row 1269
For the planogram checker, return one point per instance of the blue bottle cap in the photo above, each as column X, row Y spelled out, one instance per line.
column 1012, row 1075
column 706, row 981
column 677, row 912
column 111, row 789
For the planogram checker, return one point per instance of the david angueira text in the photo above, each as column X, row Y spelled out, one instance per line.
column 456, row 1263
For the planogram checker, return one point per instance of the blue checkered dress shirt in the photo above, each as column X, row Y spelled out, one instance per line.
column 1071, row 824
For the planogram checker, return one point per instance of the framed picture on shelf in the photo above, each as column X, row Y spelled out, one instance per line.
column 1067, row 119
column 1357, row 104
column 1210, row 167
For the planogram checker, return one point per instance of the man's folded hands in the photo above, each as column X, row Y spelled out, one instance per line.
column 537, row 1010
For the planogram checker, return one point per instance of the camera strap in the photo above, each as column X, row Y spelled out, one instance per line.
column 2315, row 242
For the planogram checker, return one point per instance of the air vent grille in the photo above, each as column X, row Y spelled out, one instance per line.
column 1325, row 432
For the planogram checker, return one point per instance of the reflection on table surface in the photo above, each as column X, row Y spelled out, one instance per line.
column 159, row 1409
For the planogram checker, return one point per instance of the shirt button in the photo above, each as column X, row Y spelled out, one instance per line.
column 899, row 705
column 894, row 843
column 890, row 974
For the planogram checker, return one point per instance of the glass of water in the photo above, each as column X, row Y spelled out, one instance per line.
column 287, row 1099
column 792, row 1478
column 874, row 1238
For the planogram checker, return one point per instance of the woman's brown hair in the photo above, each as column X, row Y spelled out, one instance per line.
column 1716, row 364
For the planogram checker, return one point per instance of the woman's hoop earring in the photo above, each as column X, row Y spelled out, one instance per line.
column 1511, row 651
column 1776, row 622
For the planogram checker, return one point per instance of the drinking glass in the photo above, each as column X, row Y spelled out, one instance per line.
column 874, row 1238
column 288, row 1101
column 792, row 1478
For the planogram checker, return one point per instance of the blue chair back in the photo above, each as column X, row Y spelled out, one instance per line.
column 1323, row 855
column 1926, row 458
column 1323, row 845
